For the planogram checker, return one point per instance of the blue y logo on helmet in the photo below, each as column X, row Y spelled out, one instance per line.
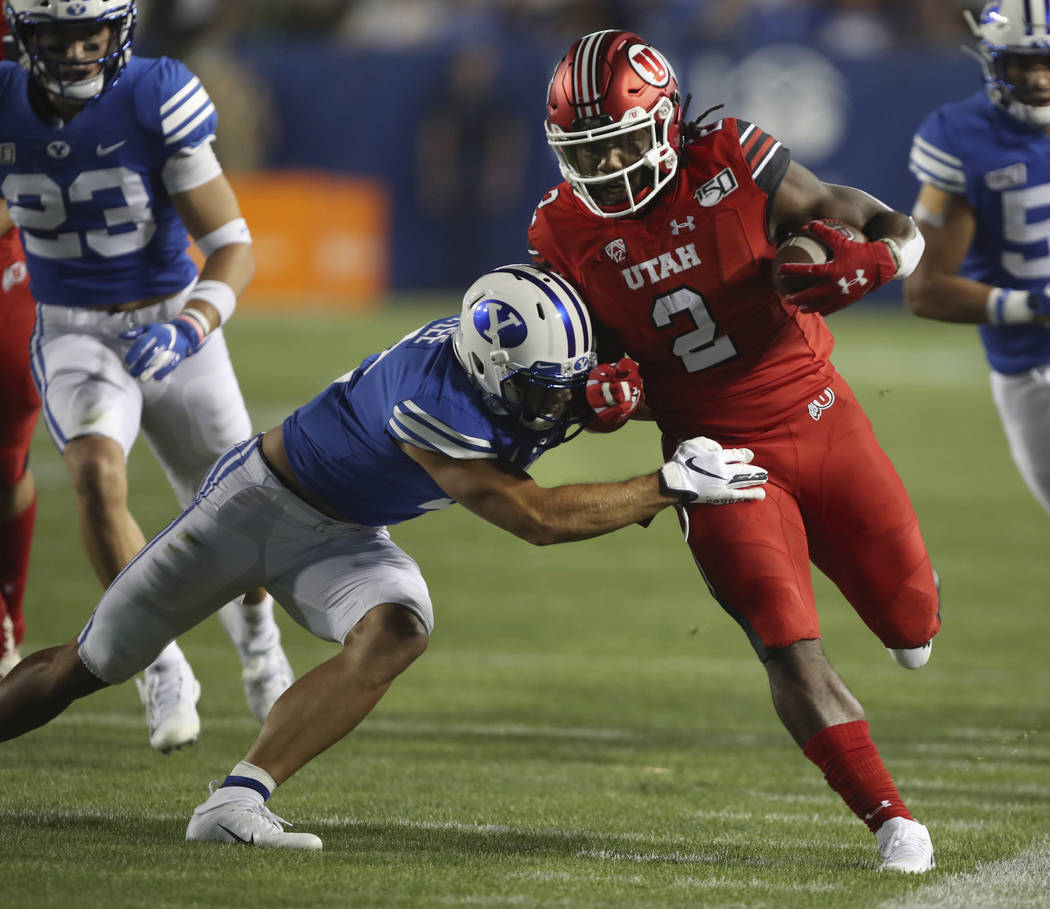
column 499, row 323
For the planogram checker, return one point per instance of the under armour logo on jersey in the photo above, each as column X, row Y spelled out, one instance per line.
column 847, row 286
column 16, row 273
column 616, row 250
column 716, row 189
column 678, row 226
column 821, row 403
column 497, row 322
column 58, row 149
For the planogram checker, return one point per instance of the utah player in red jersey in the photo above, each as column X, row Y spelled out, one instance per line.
column 669, row 229
column 19, row 405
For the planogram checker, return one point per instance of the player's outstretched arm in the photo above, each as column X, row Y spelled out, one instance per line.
column 700, row 472
column 211, row 215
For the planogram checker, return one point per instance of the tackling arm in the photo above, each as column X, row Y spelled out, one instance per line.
column 511, row 499
column 5, row 218
column 700, row 471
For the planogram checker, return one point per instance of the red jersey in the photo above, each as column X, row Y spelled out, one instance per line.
column 686, row 289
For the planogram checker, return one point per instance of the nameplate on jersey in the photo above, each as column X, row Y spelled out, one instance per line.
column 1004, row 178
column 657, row 269
column 716, row 189
column 7, row 152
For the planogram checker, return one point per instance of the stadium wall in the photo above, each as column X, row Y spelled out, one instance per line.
column 445, row 154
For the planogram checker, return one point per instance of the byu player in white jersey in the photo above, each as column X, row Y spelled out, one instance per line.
column 984, row 165
column 106, row 164
column 454, row 412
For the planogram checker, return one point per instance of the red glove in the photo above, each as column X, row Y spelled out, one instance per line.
column 852, row 270
column 614, row 391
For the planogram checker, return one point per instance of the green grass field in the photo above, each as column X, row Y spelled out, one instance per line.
column 587, row 727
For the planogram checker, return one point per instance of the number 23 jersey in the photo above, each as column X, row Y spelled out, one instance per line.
column 98, row 226
column 686, row 288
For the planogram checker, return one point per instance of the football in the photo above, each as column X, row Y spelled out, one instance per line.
column 805, row 249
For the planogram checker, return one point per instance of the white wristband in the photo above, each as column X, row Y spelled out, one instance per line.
column 235, row 231
column 219, row 294
column 908, row 255
column 1007, row 307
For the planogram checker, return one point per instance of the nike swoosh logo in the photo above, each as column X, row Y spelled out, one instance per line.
column 690, row 463
column 735, row 480
column 101, row 150
column 240, row 839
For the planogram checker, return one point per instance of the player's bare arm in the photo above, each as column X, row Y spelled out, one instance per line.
column 204, row 210
column 802, row 197
column 5, row 218
column 935, row 290
column 511, row 499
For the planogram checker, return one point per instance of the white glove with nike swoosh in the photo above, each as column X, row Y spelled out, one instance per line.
column 703, row 472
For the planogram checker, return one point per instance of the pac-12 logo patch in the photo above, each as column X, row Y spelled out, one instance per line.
column 7, row 152
column 616, row 250
column 499, row 321
column 650, row 64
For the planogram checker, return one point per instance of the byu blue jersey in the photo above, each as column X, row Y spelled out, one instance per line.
column 97, row 224
column 342, row 446
column 974, row 148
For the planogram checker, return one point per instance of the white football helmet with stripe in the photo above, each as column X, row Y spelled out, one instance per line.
column 1011, row 28
column 613, row 90
column 525, row 340
column 24, row 18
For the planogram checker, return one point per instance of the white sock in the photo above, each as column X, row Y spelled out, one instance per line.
column 246, row 781
column 168, row 658
column 251, row 628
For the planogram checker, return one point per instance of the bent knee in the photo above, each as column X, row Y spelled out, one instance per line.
column 392, row 633
column 97, row 469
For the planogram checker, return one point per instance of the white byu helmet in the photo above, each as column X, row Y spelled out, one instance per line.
column 526, row 342
column 1011, row 28
column 24, row 17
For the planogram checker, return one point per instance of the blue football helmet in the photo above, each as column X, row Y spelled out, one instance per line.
column 525, row 340
column 1009, row 29
column 25, row 18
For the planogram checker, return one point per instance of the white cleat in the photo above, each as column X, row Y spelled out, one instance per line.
column 912, row 657
column 905, row 846
column 246, row 823
column 266, row 678
column 171, row 696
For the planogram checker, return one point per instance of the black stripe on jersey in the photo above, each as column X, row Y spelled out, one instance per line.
column 767, row 159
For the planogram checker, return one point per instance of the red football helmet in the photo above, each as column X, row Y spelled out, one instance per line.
column 613, row 100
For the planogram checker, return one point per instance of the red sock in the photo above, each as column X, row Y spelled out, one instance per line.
column 852, row 766
column 16, row 535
